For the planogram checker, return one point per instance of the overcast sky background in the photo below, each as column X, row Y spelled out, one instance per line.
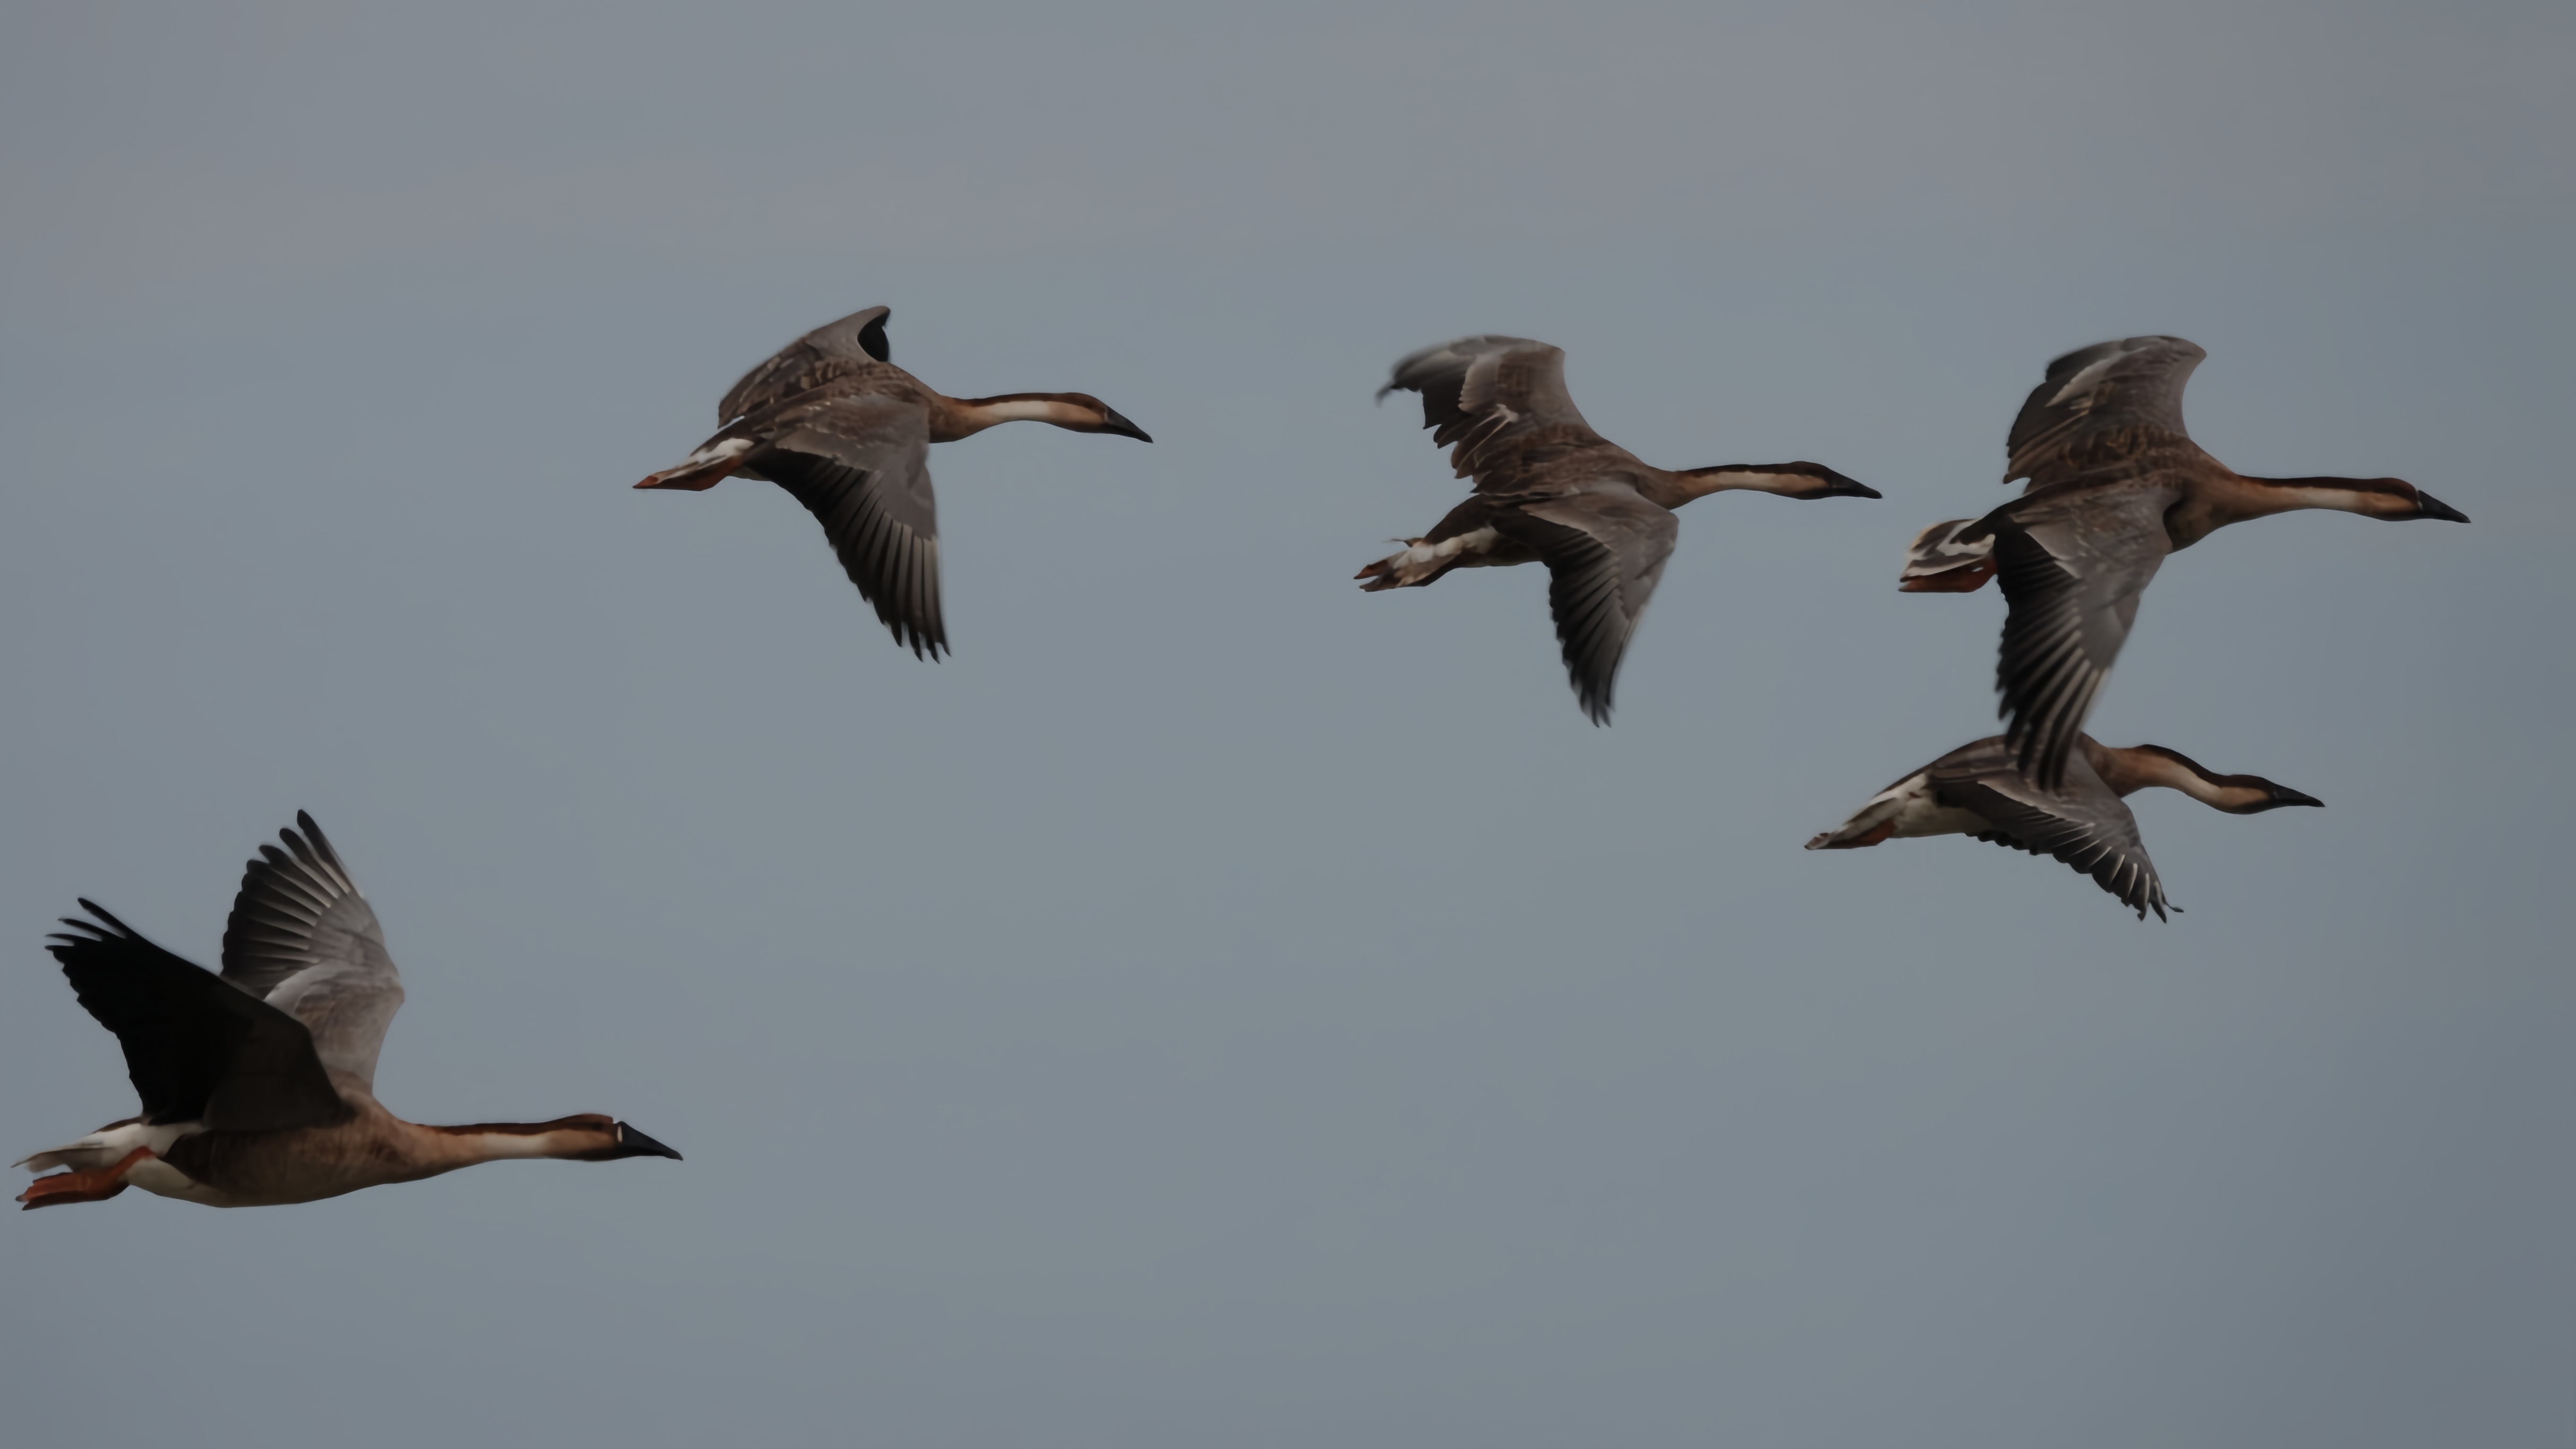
column 1219, row 1007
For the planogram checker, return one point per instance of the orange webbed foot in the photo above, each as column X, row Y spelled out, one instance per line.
column 95, row 1185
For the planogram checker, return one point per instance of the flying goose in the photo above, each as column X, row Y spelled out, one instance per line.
column 1979, row 789
column 258, row 1085
column 2115, row 485
column 1551, row 490
column 834, row 422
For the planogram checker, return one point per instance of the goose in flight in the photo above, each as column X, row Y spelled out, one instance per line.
column 1979, row 789
column 834, row 422
column 258, row 1085
column 1551, row 490
column 2115, row 485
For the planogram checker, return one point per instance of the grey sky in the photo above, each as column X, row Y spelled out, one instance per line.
column 1219, row 1007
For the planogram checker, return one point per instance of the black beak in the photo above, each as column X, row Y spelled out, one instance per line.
column 631, row 1143
column 2428, row 506
column 2284, row 795
column 1111, row 422
column 1838, row 486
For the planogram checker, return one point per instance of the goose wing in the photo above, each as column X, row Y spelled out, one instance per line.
column 303, row 939
column 2084, row 825
column 809, row 362
column 2106, row 402
column 1605, row 552
column 2072, row 564
column 1487, row 395
column 861, row 465
column 197, row 1049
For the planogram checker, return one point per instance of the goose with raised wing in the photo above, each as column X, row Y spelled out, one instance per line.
column 258, row 1085
column 847, row 433
column 1979, row 789
column 2115, row 485
column 1548, row 489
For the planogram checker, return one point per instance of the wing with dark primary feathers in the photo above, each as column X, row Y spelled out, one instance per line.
column 2107, row 402
column 2084, row 825
column 303, row 939
column 2072, row 568
column 197, row 1049
column 808, row 362
column 861, row 465
column 1605, row 553
column 1485, row 394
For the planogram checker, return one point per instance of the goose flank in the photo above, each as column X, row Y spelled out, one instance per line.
column 847, row 433
column 1548, row 489
column 258, row 1084
column 2115, row 484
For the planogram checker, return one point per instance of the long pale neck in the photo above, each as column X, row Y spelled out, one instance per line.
column 564, row 1137
column 2243, row 497
column 2137, row 768
column 965, row 417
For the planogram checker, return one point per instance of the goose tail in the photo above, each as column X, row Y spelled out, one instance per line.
column 703, row 469
column 1940, row 562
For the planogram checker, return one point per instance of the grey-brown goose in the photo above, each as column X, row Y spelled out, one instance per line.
column 833, row 421
column 1551, row 490
column 2115, row 485
column 1979, row 789
column 258, row 1085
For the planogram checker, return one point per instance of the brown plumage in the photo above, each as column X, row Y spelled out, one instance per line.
column 832, row 420
column 258, row 1085
column 1551, row 490
column 1979, row 789
column 2115, row 485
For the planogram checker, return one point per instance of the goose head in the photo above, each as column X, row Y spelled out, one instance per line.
column 2252, row 795
column 1077, row 412
column 1787, row 480
column 614, row 1139
column 2127, row 770
column 2392, row 499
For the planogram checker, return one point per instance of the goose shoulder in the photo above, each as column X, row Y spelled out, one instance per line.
column 850, row 347
column 2102, row 403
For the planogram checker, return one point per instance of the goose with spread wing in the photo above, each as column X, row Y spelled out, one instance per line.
column 833, row 421
column 2115, row 485
column 1551, row 490
column 1979, row 789
column 258, row 1085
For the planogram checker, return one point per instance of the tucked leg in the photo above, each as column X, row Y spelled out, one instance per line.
column 96, row 1185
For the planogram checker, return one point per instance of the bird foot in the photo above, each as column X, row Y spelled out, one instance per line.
column 96, row 1185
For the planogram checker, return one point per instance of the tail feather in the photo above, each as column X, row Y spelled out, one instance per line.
column 703, row 469
column 1420, row 563
column 1940, row 562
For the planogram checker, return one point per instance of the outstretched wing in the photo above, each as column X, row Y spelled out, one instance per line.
column 1485, row 394
column 2072, row 570
column 302, row 938
column 1605, row 553
column 809, row 362
column 861, row 465
column 197, row 1049
column 2107, row 402
column 2084, row 825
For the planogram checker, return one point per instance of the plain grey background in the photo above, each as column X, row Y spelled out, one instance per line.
column 1220, row 1007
